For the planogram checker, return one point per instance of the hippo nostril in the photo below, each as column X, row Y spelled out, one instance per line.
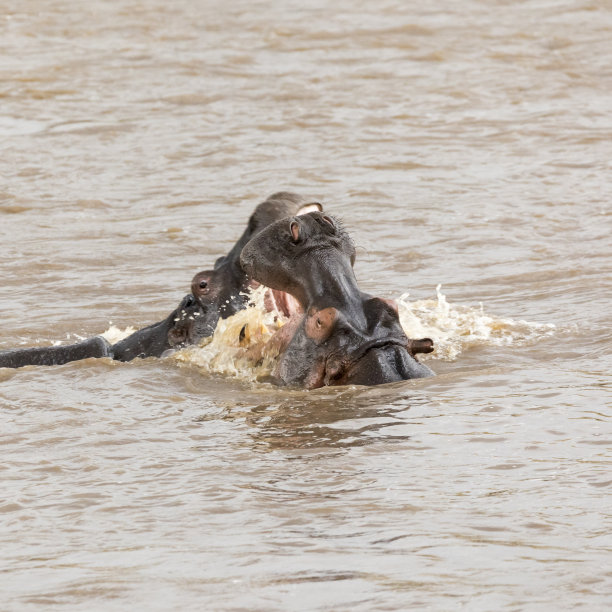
column 189, row 301
column 203, row 284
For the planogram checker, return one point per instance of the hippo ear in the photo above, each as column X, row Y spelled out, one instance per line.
column 319, row 324
column 294, row 228
column 310, row 207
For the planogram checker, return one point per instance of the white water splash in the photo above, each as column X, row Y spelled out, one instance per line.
column 455, row 328
column 113, row 334
column 224, row 353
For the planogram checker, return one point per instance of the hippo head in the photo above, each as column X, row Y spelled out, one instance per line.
column 346, row 336
column 345, row 351
column 277, row 206
column 221, row 292
column 218, row 294
column 190, row 323
column 296, row 254
column 186, row 324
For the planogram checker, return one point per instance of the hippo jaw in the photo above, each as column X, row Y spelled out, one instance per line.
column 191, row 323
column 377, row 362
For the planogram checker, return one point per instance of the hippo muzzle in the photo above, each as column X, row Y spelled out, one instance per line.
column 376, row 362
column 384, row 364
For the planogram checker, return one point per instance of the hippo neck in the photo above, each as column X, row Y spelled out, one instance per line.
column 234, row 283
column 231, row 261
column 233, row 257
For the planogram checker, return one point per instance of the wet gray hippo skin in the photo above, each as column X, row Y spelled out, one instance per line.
column 185, row 325
column 55, row 355
column 188, row 324
column 217, row 293
column 345, row 336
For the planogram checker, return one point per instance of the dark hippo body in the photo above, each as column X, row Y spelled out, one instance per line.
column 217, row 293
column 345, row 336
column 55, row 355
column 185, row 325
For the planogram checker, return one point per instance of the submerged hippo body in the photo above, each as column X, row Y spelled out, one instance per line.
column 216, row 293
column 345, row 336
column 55, row 355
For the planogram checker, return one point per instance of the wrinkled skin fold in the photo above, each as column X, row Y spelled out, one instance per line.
column 345, row 336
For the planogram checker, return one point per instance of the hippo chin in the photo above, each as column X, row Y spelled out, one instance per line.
column 345, row 336
column 217, row 293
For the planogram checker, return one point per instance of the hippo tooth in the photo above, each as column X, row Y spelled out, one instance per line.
column 177, row 319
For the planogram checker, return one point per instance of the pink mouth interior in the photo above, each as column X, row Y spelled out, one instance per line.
column 283, row 302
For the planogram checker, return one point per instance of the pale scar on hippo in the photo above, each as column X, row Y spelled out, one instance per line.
column 343, row 336
column 216, row 293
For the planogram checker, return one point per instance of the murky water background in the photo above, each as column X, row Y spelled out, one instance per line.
column 467, row 145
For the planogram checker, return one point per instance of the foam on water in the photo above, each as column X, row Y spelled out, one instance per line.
column 455, row 328
column 114, row 334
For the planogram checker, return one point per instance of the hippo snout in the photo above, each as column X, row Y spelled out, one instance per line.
column 384, row 363
column 247, row 260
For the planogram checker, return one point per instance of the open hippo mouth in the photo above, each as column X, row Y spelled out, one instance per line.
column 378, row 361
column 280, row 301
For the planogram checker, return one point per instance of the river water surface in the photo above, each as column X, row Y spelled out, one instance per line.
column 467, row 146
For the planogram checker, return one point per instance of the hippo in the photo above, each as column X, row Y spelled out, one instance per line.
column 226, row 285
column 185, row 325
column 216, row 293
column 344, row 336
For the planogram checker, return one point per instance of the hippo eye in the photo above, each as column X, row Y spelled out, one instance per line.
column 329, row 221
column 203, row 284
column 319, row 322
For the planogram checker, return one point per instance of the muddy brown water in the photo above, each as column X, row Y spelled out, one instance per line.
column 467, row 145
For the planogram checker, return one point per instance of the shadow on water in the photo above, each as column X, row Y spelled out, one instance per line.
column 335, row 418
